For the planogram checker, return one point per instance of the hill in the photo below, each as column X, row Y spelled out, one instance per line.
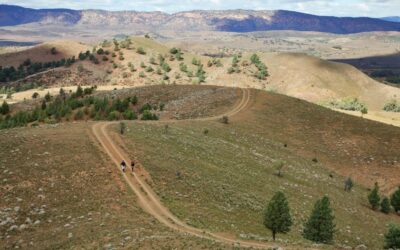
column 90, row 205
column 306, row 77
column 227, row 21
column 190, row 169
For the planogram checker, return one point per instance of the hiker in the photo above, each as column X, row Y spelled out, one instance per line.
column 123, row 166
column 133, row 166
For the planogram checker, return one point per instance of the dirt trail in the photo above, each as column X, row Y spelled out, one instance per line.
column 149, row 200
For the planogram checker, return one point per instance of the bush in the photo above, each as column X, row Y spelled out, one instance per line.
column 392, row 106
column 129, row 115
column 352, row 104
column 134, row 100
column 35, row 95
column 277, row 215
column 173, row 51
column 113, row 116
column 147, row 115
column 225, row 119
column 145, row 107
column 392, row 237
column 79, row 115
column 142, row 75
column 140, row 51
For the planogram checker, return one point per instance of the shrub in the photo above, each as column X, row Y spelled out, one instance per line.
column 129, row 115
column 392, row 237
column 122, row 127
column 147, row 115
column 79, row 115
column 225, row 119
column 277, row 215
column 53, row 51
column 112, row 116
column 142, row 75
column 173, row 51
column 100, row 51
column 134, row 100
column 319, row 226
column 351, row 104
column 47, row 97
column 149, row 69
column 5, row 108
column 35, row 95
column 348, row 184
column 278, row 166
column 145, row 107
column 140, row 51
column 392, row 106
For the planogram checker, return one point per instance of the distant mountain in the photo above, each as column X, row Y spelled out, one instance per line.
column 228, row 21
column 14, row 15
column 392, row 19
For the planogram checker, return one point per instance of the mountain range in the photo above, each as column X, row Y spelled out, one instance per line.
column 392, row 19
column 226, row 21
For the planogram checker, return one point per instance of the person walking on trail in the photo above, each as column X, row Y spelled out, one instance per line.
column 123, row 166
column 133, row 166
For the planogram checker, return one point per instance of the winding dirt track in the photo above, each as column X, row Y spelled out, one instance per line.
column 149, row 200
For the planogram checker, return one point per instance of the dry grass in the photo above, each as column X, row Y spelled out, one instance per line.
column 227, row 175
column 71, row 193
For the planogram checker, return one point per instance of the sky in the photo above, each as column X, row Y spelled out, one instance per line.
column 372, row 8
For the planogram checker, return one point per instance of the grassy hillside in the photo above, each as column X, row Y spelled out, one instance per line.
column 297, row 75
column 59, row 191
column 222, row 180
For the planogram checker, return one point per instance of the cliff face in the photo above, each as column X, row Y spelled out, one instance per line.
column 228, row 21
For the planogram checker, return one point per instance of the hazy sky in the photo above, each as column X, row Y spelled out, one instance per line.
column 375, row 8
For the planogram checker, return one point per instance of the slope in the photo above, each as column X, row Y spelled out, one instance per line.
column 221, row 180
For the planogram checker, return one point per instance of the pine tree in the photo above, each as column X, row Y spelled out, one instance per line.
column 5, row 108
column 395, row 200
column 320, row 227
column 385, row 205
column 277, row 215
column 374, row 198
column 392, row 237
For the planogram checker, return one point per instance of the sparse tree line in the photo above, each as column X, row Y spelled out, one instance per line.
column 261, row 73
column 79, row 105
column 320, row 226
column 27, row 68
column 384, row 204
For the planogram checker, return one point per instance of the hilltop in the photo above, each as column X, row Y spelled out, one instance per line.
column 226, row 21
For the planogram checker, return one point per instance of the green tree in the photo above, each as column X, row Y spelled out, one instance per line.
column 277, row 215
column 374, row 198
column 395, row 200
column 319, row 226
column 130, row 115
column 392, row 237
column 385, row 205
column 47, row 97
column 5, row 108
